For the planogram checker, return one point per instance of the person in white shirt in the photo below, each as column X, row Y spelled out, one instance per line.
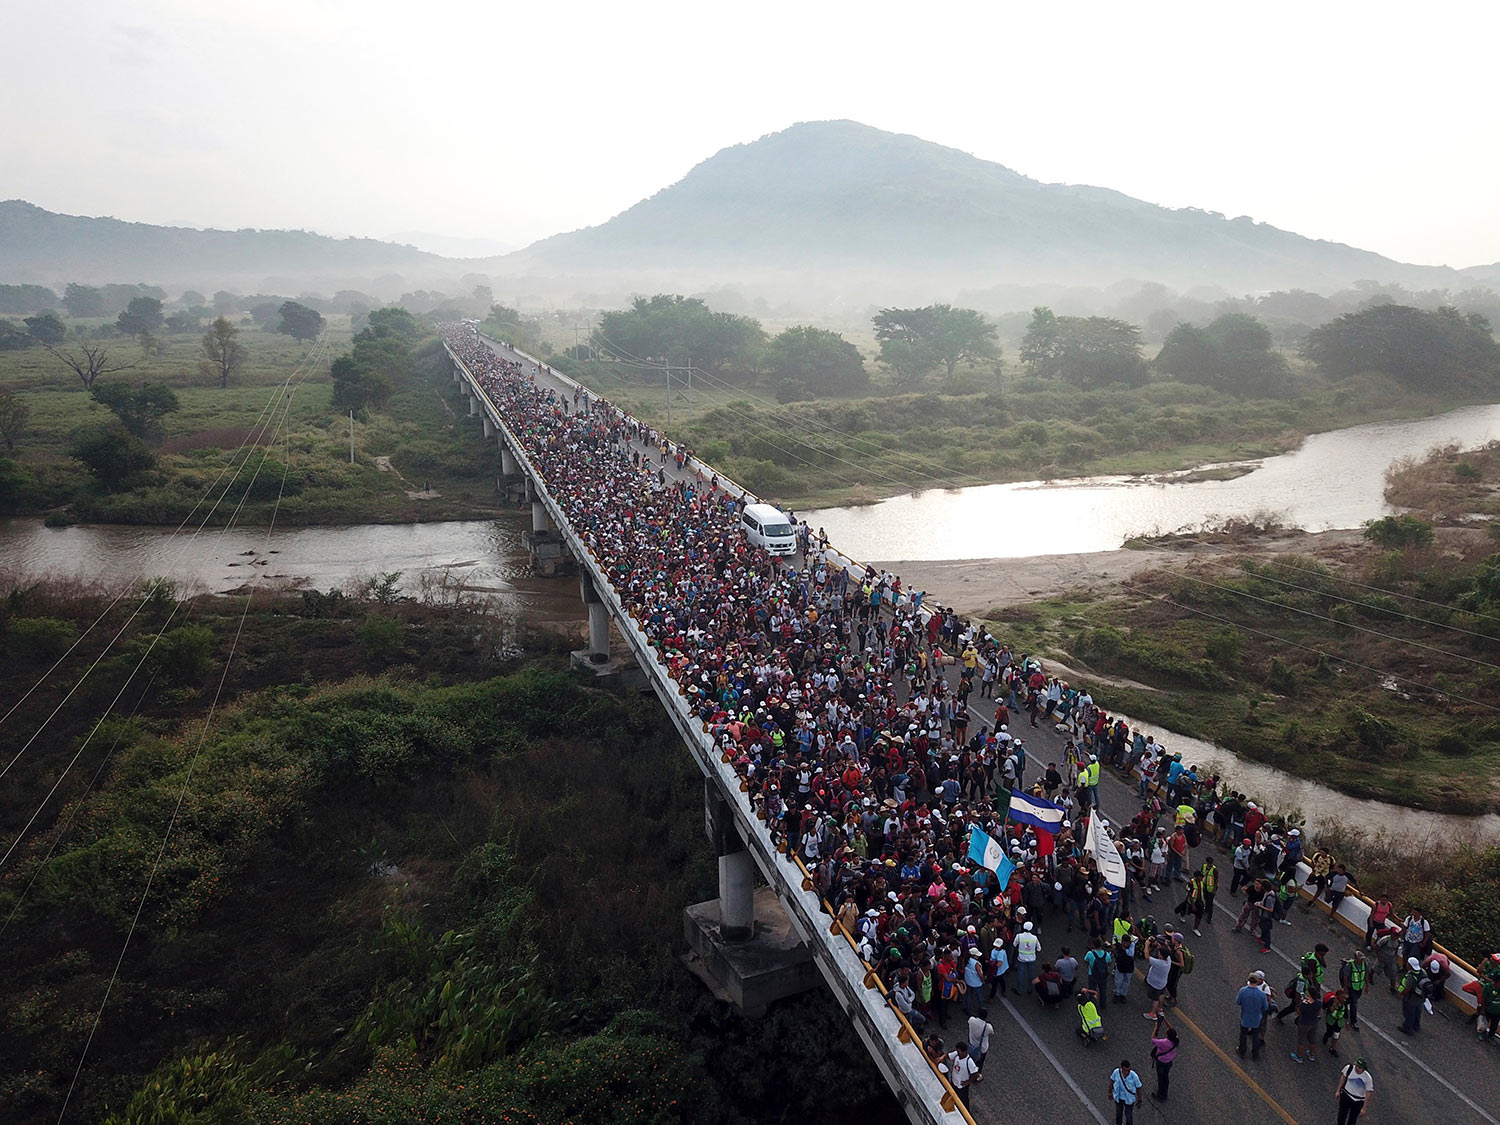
column 980, row 1030
column 1028, row 947
column 961, row 1071
column 1356, row 1087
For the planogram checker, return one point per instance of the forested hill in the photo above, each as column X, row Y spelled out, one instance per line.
column 837, row 195
column 42, row 246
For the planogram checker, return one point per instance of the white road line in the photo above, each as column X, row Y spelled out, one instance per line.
column 1396, row 1043
column 1056, row 1064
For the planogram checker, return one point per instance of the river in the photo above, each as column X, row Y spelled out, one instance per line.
column 1334, row 480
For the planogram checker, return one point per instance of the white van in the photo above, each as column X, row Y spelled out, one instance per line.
column 767, row 527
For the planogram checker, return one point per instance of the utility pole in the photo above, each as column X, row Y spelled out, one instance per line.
column 667, row 371
column 351, row 436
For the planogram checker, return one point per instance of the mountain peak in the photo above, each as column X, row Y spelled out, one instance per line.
column 851, row 201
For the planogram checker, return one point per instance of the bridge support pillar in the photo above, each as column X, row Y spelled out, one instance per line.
column 489, row 427
column 473, row 405
column 540, row 520
column 508, row 463
column 742, row 944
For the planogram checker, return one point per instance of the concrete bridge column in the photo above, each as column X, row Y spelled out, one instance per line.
column 540, row 520
column 473, row 401
column 489, row 427
column 598, row 620
column 508, row 463
column 743, row 945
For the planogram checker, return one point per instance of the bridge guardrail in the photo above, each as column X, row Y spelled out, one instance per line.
column 880, row 1025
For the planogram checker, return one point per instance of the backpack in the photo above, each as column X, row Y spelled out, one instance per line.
column 1187, row 960
column 1292, row 991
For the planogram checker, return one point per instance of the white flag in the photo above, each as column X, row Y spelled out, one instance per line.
column 1107, row 858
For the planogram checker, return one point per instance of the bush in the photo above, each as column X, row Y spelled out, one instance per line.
column 181, row 656
column 1223, row 648
column 1281, row 679
column 1399, row 532
column 40, row 638
column 381, row 636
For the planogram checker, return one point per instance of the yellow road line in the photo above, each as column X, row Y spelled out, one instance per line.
column 1230, row 1062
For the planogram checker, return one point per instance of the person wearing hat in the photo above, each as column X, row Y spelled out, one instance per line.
column 1253, row 1004
column 1356, row 1087
column 1414, row 984
column 1028, row 948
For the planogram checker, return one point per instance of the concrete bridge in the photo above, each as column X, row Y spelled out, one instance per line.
column 752, row 947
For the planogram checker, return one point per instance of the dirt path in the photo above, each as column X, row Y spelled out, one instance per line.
column 385, row 466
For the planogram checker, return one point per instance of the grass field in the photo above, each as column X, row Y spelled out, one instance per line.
column 424, row 435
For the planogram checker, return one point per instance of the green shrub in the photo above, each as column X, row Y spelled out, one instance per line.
column 1399, row 532
column 381, row 636
column 181, row 656
column 40, row 638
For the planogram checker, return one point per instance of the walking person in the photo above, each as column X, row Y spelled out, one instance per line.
column 1355, row 1090
column 1124, row 1086
column 1354, row 973
column 1163, row 1054
column 1253, row 1004
column 962, row 1071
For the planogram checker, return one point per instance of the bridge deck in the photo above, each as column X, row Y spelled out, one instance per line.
column 1038, row 1069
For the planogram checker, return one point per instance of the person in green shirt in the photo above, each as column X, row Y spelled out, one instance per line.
column 1335, row 1014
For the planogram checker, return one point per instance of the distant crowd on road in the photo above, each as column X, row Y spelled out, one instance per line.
column 874, row 734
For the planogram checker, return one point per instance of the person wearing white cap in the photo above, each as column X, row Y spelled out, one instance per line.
column 1414, row 986
column 1028, row 947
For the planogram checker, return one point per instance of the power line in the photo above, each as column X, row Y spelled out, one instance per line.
column 1337, row 622
column 186, row 781
column 1320, row 652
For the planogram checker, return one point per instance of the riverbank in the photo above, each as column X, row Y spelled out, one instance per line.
column 1323, row 655
column 848, row 452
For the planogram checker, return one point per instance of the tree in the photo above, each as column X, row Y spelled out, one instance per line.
column 677, row 331
column 266, row 314
column 45, row 328
column 299, row 322
column 13, row 415
column 187, row 320
column 1088, row 352
column 18, row 300
column 191, row 298
column 1421, row 349
column 1233, row 353
column 962, row 336
column 90, row 362
column 114, row 456
column 820, row 360
column 223, row 354
column 142, row 317
column 140, row 409
column 1041, row 348
column 83, row 300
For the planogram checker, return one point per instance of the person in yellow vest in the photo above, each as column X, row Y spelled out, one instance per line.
column 1090, row 1025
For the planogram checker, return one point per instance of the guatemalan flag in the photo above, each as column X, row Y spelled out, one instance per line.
column 986, row 851
column 1026, row 809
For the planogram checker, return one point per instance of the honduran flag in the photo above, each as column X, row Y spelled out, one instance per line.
column 1026, row 809
column 986, row 851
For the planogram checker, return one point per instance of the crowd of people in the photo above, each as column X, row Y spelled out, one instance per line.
column 844, row 705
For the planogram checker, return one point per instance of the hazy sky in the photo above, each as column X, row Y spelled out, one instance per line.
column 1366, row 123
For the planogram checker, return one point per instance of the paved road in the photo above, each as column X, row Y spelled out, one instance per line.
column 1039, row 1071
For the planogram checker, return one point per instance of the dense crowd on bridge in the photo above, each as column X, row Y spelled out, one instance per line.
column 845, row 707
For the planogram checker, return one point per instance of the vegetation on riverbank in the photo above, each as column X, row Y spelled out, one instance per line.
column 295, row 444
column 1450, row 485
column 1372, row 670
column 1085, row 400
column 416, row 875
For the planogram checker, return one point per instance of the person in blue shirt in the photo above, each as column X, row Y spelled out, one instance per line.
column 1253, row 1004
column 1124, row 1085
